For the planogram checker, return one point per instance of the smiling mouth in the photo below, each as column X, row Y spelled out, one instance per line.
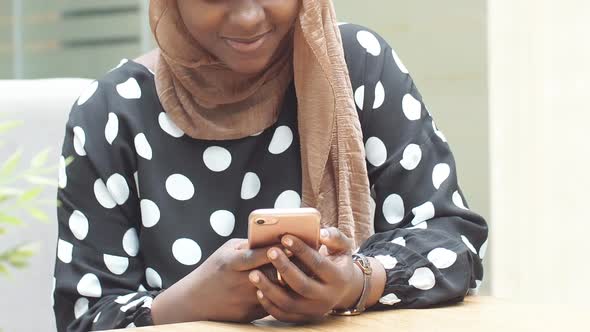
column 247, row 45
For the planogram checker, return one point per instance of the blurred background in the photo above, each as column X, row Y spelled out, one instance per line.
column 507, row 81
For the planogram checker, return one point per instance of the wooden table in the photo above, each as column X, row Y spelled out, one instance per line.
column 476, row 314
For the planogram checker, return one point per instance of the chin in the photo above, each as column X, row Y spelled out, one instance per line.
column 250, row 67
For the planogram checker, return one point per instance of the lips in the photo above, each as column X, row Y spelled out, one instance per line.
column 247, row 45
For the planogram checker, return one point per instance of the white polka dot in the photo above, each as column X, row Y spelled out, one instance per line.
column 442, row 258
column 216, row 158
column 130, row 325
column 124, row 299
column 147, row 303
column 376, row 151
column 369, row 42
column 169, row 126
column 122, row 62
column 62, row 176
column 483, row 249
column 133, row 304
column 89, row 286
column 379, row 95
column 131, row 242
column 412, row 107
column 400, row 241
column 288, row 200
column 153, row 278
column 387, row 261
column 393, row 209
column 103, row 196
column 281, row 140
column 111, row 130
column 399, row 62
column 142, row 146
column 53, row 292
column 97, row 317
column 438, row 132
column 150, row 213
column 468, row 244
column 136, row 178
column 412, row 157
column 458, row 200
column 474, row 291
column 186, row 251
column 141, row 288
column 64, row 251
column 250, row 186
column 117, row 186
column 223, row 222
column 440, row 174
column 342, row 23
column 129, row 89
column 117, row 265
column 80, row 307
column 359, row 97
column 422, row 225
column 422, row 213
column 79, row 141
column 423, row 279
column 78, row 225
column 389, row 299
column 180, row 187
column 87, row 93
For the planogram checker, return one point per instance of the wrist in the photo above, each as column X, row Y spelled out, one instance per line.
column 174, row 305
column 378, row 279
column 354, row 294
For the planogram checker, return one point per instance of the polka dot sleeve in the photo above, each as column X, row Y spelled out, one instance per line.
column 100, row 278
column 429, row 242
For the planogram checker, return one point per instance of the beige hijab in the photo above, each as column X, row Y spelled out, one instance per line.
column 209, row 101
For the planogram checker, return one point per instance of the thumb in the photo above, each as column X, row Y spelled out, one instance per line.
column 335, row 241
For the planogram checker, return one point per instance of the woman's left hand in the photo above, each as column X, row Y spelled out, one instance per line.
column 337, row 282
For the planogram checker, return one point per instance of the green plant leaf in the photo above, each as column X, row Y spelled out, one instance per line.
column 40, row 159
column 10, row 164
column 2, row 231
column 6, row 219
column 30, row 194
column 3, row 269
column 40, row 180
column 9, row 125
column 69, row 160
column 38, row 214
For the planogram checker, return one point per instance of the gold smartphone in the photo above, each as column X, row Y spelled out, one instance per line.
column 266, row 227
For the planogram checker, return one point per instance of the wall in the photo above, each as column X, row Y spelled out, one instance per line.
column 539, row 120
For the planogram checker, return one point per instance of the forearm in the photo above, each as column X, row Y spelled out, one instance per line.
column 170, row 306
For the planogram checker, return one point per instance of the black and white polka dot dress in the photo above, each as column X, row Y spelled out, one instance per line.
column 143, row 204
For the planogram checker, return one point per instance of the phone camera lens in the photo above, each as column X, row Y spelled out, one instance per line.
column 260, row 221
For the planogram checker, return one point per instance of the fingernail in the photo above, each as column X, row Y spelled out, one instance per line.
column 273, row 254
column 254, row 277
column 288, row 252
column 259, row 294
column 324, row 233
column 288, row 241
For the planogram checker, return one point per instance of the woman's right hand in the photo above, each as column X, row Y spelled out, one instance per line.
column 217, row 290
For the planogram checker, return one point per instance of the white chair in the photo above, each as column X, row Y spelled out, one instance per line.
column 43, row 106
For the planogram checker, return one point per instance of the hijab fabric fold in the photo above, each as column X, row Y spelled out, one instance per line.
column 208, row 101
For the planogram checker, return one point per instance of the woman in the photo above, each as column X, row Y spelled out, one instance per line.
column 252, row 105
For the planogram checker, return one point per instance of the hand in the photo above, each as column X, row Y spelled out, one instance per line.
column 217, row 290
column 337, row 282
